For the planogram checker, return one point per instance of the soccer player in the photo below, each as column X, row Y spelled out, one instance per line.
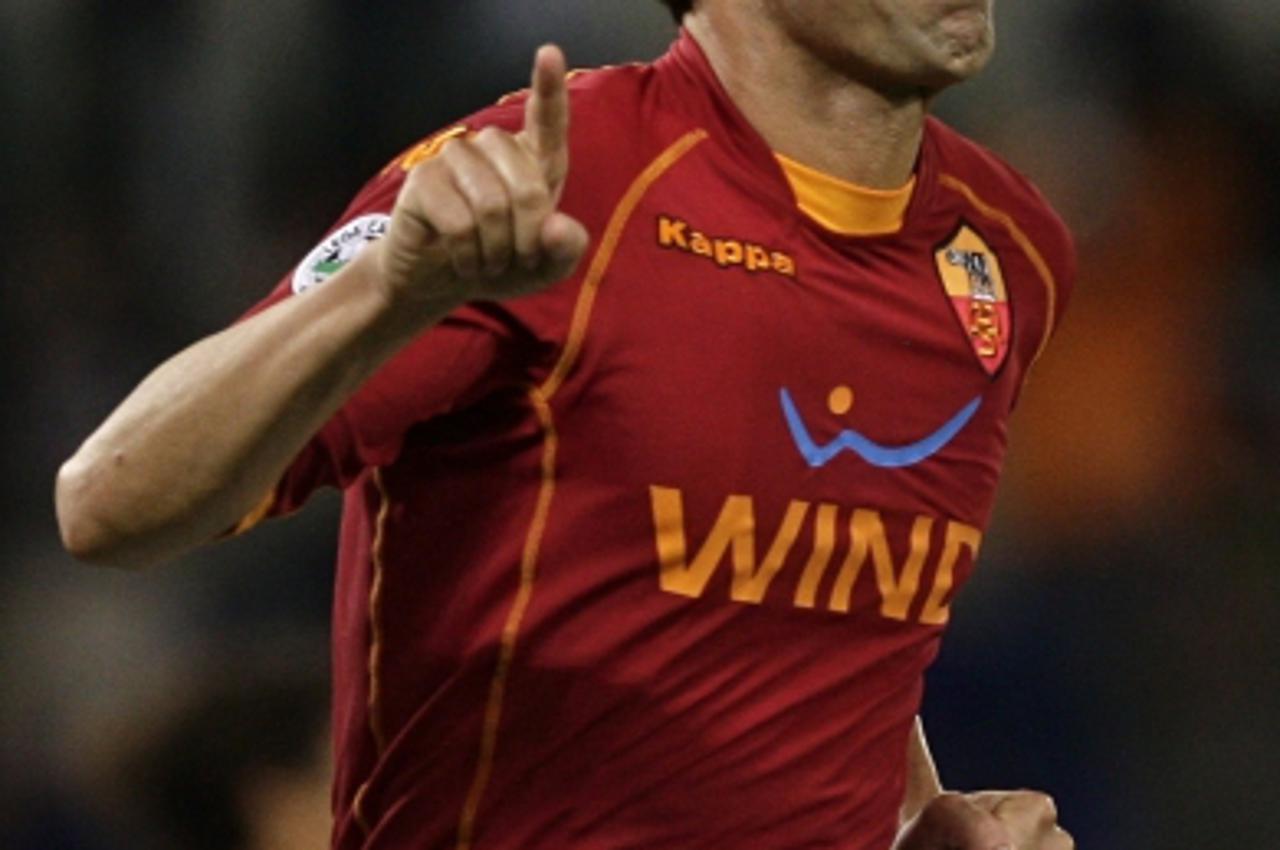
column 666, row 441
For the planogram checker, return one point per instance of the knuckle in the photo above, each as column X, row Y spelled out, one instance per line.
column 1043, row 805
column 489, row 134
column 458, row 231
column 529, row 197
column 424, row 182
column 421, row 175
column 453, row 148
column 943, row 808
column 462, row 242
column 557, row 170
column 491, row 209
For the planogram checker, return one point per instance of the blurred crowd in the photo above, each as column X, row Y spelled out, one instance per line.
column 163, row 165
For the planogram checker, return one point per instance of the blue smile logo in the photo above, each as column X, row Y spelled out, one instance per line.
column 888, row 457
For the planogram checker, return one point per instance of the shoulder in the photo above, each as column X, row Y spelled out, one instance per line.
column 999, row 191
column 613, row 135
column 607, row 109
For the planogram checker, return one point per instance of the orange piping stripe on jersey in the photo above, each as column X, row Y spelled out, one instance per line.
column 1028, row 248
column 257, row 515
column 540, row 397
column 357, row 810
column 604, row 256
column 375, row 616
column 511, row 629
column 375, row 641
column 423, row 151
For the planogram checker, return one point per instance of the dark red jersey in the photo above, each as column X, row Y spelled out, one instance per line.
column 657, row 558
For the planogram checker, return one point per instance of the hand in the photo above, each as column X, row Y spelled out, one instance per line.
column 479, row 220
column 988, row 820
column 1030, row 817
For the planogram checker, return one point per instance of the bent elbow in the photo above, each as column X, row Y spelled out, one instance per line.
column 100, row 529
column 85, row 535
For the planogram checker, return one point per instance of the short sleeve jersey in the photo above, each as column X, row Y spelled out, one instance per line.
column 658, row 557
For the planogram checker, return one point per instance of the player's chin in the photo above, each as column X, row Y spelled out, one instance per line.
column 956, row 62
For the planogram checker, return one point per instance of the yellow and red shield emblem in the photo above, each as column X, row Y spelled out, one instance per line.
column 971, row 274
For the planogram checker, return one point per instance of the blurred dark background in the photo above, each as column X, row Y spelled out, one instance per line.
column 163, row 164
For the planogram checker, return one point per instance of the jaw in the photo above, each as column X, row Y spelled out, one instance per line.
column 909, row 56
column 968, row 38
column 941, row 62
column 903, row 50
column 945, row 49
column 961, row 43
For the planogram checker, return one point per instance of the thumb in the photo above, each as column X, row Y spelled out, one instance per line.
column 951, row 822
column 564, row 241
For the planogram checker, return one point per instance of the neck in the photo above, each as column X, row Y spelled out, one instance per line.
column 807, row 110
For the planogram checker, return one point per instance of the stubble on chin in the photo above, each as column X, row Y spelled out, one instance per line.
column 964, row 42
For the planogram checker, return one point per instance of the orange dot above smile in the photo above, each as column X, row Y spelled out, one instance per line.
column 840, row 401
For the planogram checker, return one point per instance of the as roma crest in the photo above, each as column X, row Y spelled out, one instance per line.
column 970, row 272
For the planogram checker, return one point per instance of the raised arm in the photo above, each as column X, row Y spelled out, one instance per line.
column 195, row 446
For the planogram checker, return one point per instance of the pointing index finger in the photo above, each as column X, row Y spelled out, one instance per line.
column 546, row 117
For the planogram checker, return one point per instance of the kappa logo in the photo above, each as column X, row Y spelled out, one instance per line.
column 974, row 282
column 338, row 249
column 676, row 234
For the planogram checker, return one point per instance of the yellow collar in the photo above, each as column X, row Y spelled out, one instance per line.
column 843, row 207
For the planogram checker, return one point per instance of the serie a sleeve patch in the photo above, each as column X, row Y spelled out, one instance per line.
column 339, row 248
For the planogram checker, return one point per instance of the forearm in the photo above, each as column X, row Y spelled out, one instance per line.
column 203, row 438
column 923, row 783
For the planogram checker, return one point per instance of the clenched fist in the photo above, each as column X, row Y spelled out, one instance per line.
column 479, row 220
column 987, row 820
